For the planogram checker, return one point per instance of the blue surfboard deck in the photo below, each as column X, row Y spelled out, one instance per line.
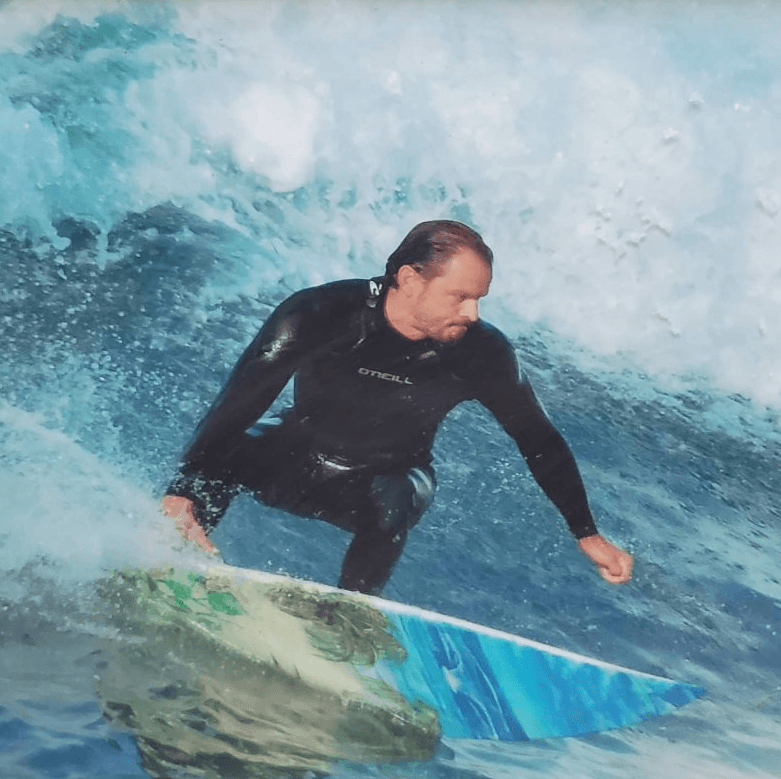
column 481, row 683
column 491, row 685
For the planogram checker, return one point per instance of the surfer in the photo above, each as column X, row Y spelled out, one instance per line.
column 377, row 364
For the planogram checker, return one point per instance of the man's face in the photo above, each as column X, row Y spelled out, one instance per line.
column 445, row 306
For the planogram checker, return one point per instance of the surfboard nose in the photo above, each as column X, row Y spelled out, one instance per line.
column 490, row 685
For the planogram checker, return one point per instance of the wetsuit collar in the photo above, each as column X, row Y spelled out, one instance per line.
column 376, row 292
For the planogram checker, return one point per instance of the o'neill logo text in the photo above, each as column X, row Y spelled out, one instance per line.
column 385, row 376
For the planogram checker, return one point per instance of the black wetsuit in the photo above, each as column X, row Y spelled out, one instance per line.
column 355, row 449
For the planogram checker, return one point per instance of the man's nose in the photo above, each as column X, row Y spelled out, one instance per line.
column 469, row 310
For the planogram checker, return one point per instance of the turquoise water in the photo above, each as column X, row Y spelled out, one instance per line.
column 171, row 171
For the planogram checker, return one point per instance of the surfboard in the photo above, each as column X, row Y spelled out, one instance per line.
column 428, row 674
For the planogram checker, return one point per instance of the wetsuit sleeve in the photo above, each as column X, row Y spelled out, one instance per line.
column 509, row 396
column 290, row 333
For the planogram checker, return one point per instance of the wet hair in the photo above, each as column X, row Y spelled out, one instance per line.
column 429, row 246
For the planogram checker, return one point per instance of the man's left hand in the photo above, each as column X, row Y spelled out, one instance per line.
column 614, row 564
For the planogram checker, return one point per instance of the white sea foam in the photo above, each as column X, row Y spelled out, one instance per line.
column 68, row 517
column 623, row 166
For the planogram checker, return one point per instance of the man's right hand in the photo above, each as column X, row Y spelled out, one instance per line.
column 183, row 512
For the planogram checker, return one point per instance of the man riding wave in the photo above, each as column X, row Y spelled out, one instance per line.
column 377, row 364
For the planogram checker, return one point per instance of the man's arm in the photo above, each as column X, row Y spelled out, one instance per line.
column 511, row 399
column 290, row 333
column 256, row 380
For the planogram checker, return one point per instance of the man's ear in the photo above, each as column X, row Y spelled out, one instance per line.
column 408, row 279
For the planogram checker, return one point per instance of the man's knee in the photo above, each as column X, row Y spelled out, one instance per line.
column 402, row 498
column 424, row 485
